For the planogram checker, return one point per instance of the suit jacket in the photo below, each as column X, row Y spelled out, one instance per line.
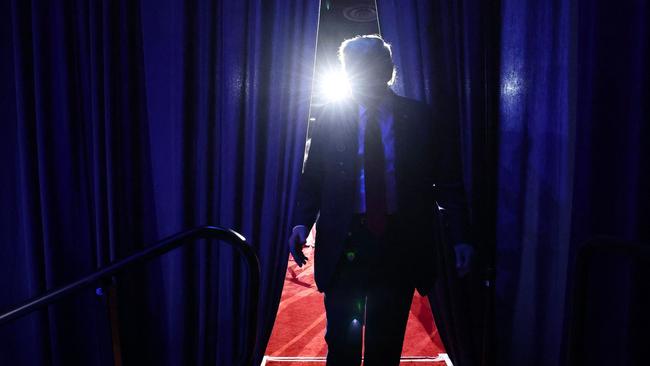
column 427, row 168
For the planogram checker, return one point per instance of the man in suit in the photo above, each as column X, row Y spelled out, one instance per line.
column 376, row 167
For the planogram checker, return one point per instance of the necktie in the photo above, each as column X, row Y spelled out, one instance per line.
column 374, row 174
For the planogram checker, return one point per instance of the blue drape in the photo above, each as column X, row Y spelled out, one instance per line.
column 572, row 162
column 230, row 91
column 77, row 180
column 612, row 175
column 535, row 180
column 128, row 121
column 611, row 187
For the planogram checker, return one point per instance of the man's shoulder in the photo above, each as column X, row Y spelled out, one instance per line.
column 418, row 110
column 410, row 104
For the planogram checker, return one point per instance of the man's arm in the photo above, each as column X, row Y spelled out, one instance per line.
column 449, row 191
column 309, row 195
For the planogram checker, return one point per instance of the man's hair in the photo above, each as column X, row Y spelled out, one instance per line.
column 370, row 50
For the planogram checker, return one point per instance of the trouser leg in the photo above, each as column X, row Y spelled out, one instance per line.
column 345, row 302
column 368, row 285
column 387, row 312
column 344, row 307
column 389, row 298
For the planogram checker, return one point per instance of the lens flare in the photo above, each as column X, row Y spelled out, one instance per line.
column 334, row 86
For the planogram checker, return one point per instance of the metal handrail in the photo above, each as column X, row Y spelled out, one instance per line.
column 159, row 248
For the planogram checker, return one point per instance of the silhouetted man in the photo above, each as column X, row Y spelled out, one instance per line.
column 369, row 178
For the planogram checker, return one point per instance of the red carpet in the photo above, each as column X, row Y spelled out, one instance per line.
column 300, row 324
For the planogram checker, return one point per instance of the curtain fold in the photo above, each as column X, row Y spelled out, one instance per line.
column 611, row 186
column 80, row 182
column 130, row 121
column 234, row 80
column 536, row 132
column 572, row 165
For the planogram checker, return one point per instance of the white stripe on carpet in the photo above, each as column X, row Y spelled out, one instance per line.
column 441, row 357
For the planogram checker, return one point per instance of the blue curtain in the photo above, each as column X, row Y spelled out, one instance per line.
column 611, row 195
column 535, row 179
column 572, row 162
column 125, row 122
column 611, row 186
column 77, row 178
column 444, row 56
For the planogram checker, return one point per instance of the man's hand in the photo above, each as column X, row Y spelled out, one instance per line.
column 297, row 240
column 464, row 258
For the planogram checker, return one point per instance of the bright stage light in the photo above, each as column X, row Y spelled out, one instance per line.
column 334, row 86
